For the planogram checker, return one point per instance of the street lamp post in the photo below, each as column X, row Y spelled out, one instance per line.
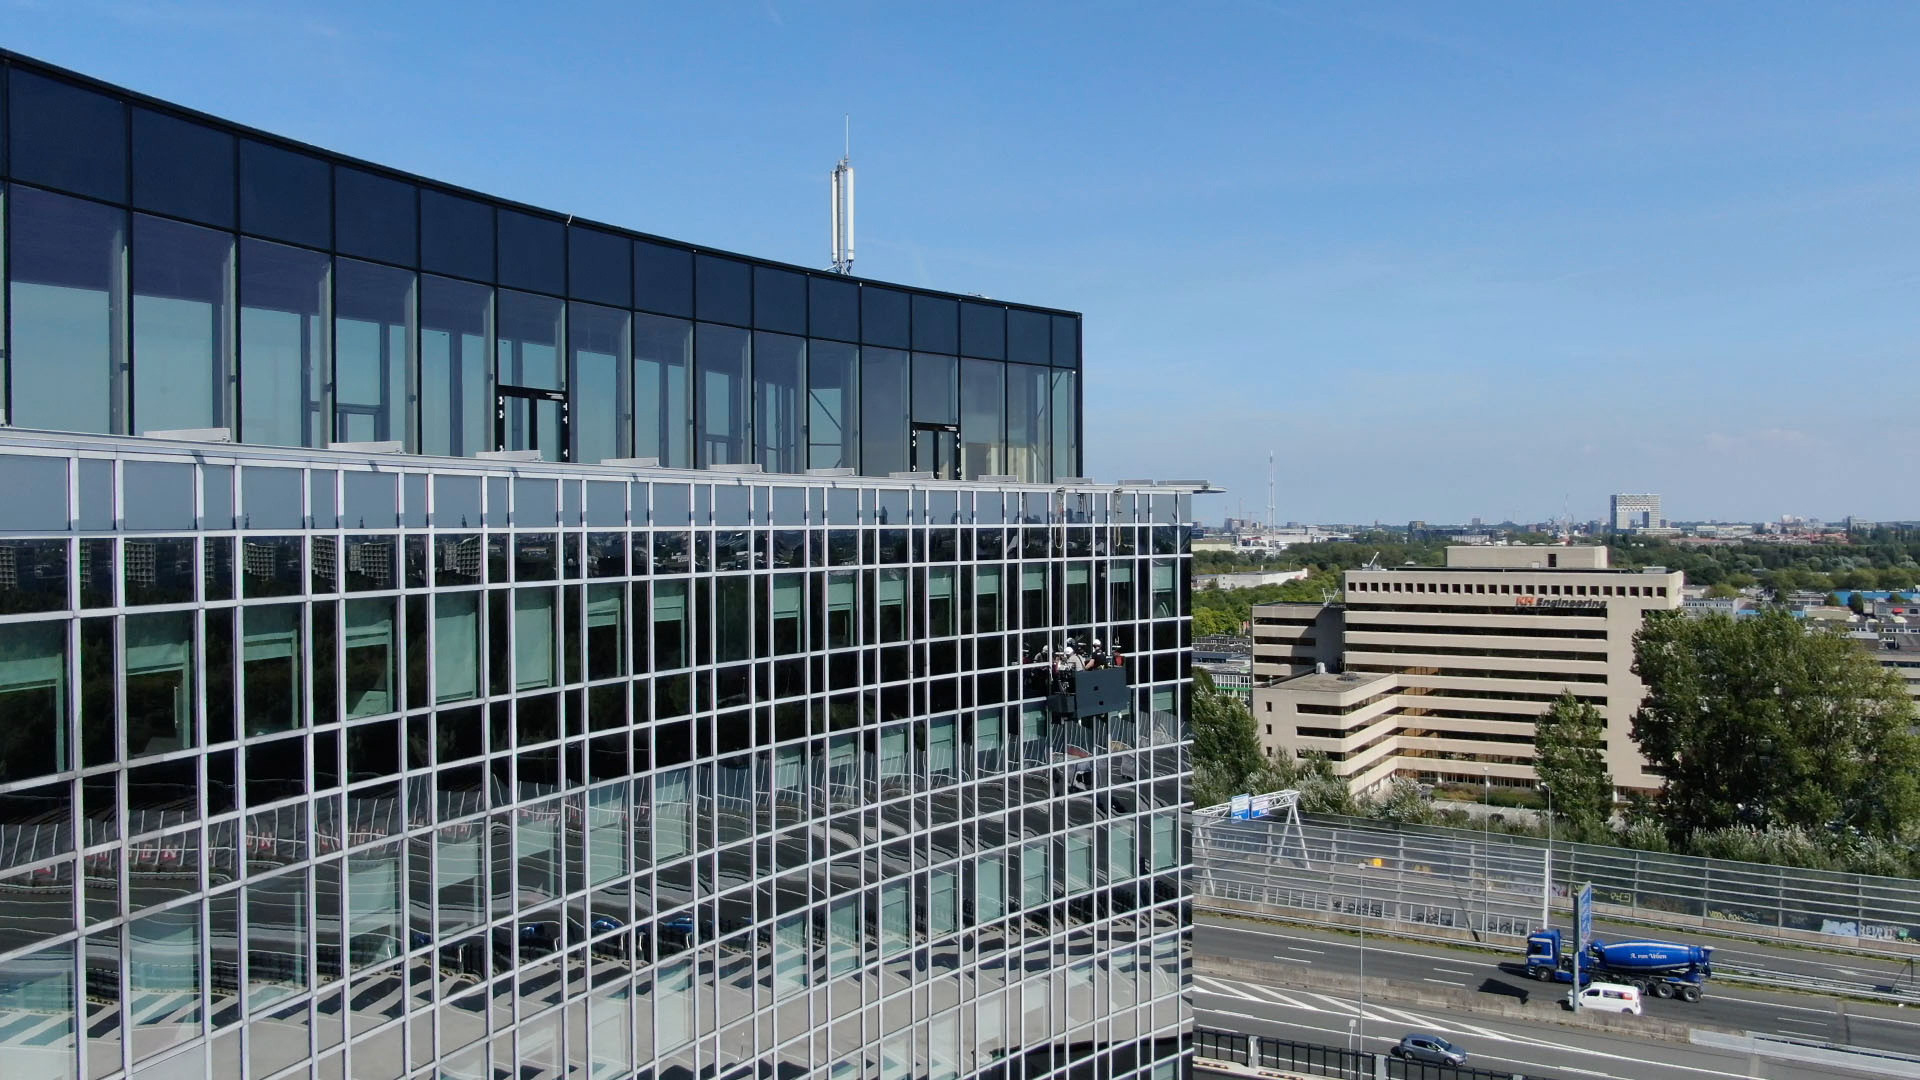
column 1359, row 1024
column 1486, row 848
column 1546, row 885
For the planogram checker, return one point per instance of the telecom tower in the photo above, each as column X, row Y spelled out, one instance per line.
column 1270, row 506
column 843, row 208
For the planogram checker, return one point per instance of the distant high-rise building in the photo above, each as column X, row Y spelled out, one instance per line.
column 1628, row 512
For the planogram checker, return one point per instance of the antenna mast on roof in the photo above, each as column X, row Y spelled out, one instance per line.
column 843, row 207
column 1270, row 506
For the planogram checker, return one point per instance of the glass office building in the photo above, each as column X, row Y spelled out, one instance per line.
column 442, row 639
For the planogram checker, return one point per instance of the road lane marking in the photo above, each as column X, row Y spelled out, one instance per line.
column 1224, row 988
column 1291, row 959
column 1297, row 948
column 1444, row 982
column 1455, row 971
column 1278, row 996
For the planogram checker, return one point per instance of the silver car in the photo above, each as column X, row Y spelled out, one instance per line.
column 1429, row 1048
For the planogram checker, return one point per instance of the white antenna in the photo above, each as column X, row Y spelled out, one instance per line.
column 1270, row 506
column 843, row 207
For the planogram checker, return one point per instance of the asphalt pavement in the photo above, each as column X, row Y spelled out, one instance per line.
column 1391, row 962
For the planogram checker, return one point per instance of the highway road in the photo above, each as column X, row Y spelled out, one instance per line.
column 1726, row 1007
column 1521, row 1046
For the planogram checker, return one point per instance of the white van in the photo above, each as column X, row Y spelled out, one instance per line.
column 1608, row 997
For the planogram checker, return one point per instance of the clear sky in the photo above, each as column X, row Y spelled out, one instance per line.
column 1447, row 260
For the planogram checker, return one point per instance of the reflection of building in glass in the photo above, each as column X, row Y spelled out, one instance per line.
column 663, row 771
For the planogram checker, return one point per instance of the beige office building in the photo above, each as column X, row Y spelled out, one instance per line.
column 1442, row 671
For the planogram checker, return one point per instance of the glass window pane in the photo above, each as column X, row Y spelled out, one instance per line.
column 983, row 331
column 532, row 252
column 722, row 402
column 373, row 216
column 533, row 639
column 283, row 344
column 662, row 353
column 285, row 195
column 779, row 364
column 456, row 646
column 182, row 325
column 599, row 267
column 669, row 625
column 1066, row 426
column 606, row 631
column 936, row 389
column 602, row 425
column 277, row 933
column 456, row 368
column 163, row 966
column 370, row 657
column 373, row 905
column 983, row 417
column 67, row 297
column 373, row 321
column 33, row 699
column 833, row 308
column 67, row 137
column 1066, row 341
column 530, row 333
column 182, row 168
column 779, row 300
column 883, row 411
column 723, row 289
column 662, row 279
column 936, row 324
column 159, row 683
column 883, row 317
column 1029, row 336
column 270, row 668
column 456, row 235
column 1029, row 438
column 833, row 405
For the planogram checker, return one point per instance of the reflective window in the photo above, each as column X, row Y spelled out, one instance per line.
column 1066, row 341
column 456, row 368
column 779, row 366
column 33, row 698
column 37, row 569
column 1029, row 438
column 456, row 646
column 370, row 657
column 270, row 668
column 373, row 321
column 723, row 290
column 182, row 168
column 779, row 300
column 163, row 965
column 283, row 344
column 602, row 424
column 373, row 216
column 532, row 252
column 1066, row 425
column 599, row 267
column 883, row 411
column 936, row 324
column 1029, row 336
column 833, row 308
column 456, row 235
column 884, row 317
column 833, row 405
column 936, row 389
column 606, row 630
column 533, row 639
column 983, row 417
column 662, row 279
column 530, row 334
column 983, row 331
column 285, row 195
column 722, row 400
column 669, row 625
column 182, row 325
column 662, row 354
column 160, row 701
column 66, row 293
column 66, row 137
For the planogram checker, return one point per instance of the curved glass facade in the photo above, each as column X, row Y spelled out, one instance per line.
column 344, row 761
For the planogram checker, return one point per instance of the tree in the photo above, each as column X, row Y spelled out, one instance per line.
column 1567, row 754
column 1208, row 623
column 1857, row 602
column 1760, row 722
column 1722, row 591
column 1226, row 744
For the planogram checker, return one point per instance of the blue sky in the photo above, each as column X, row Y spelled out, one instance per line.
column 1445, row 260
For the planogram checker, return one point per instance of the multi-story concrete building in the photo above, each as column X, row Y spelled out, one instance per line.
column 598, row 655
column 1629, row 513
column 1443, row 670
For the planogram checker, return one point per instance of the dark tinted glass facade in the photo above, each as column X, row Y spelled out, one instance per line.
column 81, row 163
column 322, row 760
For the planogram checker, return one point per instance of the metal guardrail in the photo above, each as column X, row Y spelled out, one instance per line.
column 1268, row 1052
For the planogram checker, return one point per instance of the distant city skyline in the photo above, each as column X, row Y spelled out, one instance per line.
column 1445, row 260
